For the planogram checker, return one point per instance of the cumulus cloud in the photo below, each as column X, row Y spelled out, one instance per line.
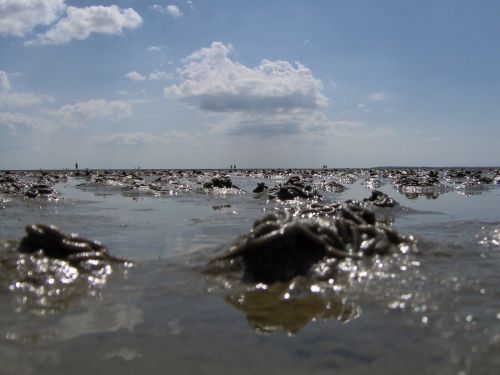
column 80, row 23
column 217, row 83
column 128, row 139
column 275, row 98
column 174, row 11
column 379, row 96
column 19, row 17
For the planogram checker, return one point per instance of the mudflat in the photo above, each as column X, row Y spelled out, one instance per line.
column 354, row 271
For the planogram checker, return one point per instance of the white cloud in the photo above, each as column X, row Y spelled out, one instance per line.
column 159, row 75
column 158, row 8
column 74, row 115
column 9, row 98
column 16, row 120
column 22, row 99
column 19, row 17
column 363, row 108
column 135, row 76
column 156, row 75
column 174, row 11
column 128, row 139
column 154, row 49
column 220, row 84
column 80, row 23
column 190, row 4
column 379, row 96
column 274, row 99
column 4, row 82
column 80, row 112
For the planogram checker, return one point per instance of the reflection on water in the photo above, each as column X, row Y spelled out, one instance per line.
column 100, row 319
column 490, row 237
column 290, row 307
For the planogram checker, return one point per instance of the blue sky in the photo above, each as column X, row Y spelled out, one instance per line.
column 207, row 83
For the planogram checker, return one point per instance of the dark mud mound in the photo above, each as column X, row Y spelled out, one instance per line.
column 48, row 268
column 294, row 188
column 38, row 185
column 380, row 199
column 282, row 246
column 296, row 266
column 220, row 182
column 261, row 187
column 332, row 186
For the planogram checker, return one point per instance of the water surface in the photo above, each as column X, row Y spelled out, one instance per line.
column 437, row 312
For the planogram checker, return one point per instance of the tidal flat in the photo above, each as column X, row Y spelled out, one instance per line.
column 279, row 271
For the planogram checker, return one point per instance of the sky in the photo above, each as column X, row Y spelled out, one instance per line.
column 258, row 84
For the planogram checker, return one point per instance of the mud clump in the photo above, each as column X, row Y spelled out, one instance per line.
column 281, row 246
column 333, row 187
column 221, row 182
column 55, row 244
column 380, row 199
column 48, row 268
column 261, row 187
column 293, row 188
column 38, row 185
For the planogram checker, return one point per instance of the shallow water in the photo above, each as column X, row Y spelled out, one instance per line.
column 437, row 312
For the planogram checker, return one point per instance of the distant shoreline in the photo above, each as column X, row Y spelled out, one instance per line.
column 249, row 169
